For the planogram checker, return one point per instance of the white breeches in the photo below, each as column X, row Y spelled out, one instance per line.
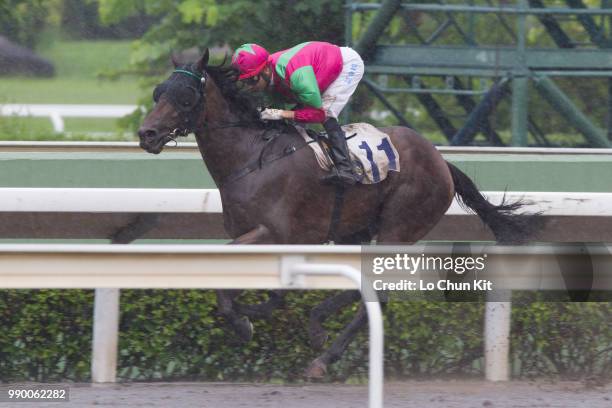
column 337, row 95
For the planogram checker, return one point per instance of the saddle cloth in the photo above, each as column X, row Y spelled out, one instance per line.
column 371, row 151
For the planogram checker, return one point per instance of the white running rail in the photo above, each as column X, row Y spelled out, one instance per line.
column 56, row 113
column 147, row 200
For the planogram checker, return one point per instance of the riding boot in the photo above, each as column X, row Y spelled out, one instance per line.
column 343, row 172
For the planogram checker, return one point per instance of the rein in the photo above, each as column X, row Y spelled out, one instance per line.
column 259, row 162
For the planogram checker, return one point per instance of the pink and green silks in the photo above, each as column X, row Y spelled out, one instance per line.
column 303, row 73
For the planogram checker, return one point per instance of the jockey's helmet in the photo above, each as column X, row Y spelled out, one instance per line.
column 250, row 59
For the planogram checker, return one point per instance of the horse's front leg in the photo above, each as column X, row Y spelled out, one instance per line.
column 225, row 298
column 225, row 305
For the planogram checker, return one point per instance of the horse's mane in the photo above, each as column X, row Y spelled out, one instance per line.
column 243, row 102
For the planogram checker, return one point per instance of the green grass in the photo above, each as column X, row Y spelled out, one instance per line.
column 85, row 59
column 19, row 128
column 78, row 65
column 68, row 91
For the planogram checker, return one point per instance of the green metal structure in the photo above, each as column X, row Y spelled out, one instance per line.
column 482, row 53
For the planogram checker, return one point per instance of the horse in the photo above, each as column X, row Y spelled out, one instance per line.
column 271, row 191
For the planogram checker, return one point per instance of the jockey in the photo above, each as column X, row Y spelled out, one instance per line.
column 319, row 76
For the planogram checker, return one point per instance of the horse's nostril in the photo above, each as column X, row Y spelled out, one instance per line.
column 147, row 133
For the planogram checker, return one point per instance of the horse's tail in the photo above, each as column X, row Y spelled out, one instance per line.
column 507, row 226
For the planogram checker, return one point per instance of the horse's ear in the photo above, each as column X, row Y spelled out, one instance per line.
column 203, row 62
column 174, row 60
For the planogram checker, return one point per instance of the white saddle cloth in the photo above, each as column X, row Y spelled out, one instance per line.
column 370, row 149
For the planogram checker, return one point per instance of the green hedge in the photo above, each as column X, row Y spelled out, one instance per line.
column 45, row 335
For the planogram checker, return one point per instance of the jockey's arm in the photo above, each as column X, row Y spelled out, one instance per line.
column 306, row 115
column 303, row 84
column 304, row 88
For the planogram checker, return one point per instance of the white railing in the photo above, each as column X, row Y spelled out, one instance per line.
column 155, row 200
column 87, row 213
column 57, row 113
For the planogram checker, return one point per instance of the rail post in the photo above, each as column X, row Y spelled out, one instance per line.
column 105, row 336
column 375, row 324
column 497, row 336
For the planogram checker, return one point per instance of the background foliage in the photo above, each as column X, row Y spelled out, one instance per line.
column 178, row 334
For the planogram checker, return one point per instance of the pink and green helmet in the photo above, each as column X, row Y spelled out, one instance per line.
column 250, row 59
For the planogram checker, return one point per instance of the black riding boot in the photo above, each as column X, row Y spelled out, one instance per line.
column 343, row 172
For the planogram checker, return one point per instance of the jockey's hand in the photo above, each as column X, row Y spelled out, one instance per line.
column 272, row 114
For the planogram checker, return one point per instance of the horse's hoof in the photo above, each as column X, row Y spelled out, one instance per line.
column 244, row 329
column 316, row 370
column 317, row 340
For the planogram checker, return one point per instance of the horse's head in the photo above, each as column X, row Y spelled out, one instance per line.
column 179, row 105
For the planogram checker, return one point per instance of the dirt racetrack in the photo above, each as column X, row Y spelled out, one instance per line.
column 430, row 394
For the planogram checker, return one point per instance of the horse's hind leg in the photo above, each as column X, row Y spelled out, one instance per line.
column 320, row 313
column 318, row 367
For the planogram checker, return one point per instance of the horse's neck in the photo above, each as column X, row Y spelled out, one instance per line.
column 224, row 149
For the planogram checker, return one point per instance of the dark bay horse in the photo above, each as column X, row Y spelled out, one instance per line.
column 271, row 193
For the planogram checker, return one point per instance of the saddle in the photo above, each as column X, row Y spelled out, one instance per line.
column 372, row 152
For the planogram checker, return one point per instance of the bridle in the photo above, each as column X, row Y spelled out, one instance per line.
column 189, row 115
